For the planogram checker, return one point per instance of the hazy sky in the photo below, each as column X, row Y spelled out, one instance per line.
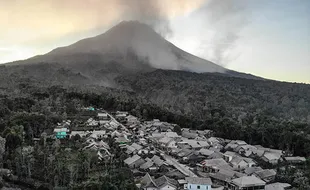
column 269, row 38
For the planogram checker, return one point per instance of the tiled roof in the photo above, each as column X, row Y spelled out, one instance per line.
column 248, row 181
column 198, row 180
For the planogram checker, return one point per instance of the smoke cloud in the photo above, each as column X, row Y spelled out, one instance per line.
column 226, row 18
column 26, row 20
column 43, row 25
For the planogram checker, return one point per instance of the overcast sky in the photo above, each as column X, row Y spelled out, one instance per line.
column 269, row 38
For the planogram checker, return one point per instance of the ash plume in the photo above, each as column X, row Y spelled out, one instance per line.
column 227, row 18
column 157, row 13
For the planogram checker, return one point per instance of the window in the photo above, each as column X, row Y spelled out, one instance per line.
column 198, row 186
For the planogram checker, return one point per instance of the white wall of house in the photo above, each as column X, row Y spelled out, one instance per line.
column 198, row 187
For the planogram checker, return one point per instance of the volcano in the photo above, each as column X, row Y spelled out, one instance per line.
column 127, row 48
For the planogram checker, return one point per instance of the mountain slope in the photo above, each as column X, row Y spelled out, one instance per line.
column 127, row 48
column 140, row 39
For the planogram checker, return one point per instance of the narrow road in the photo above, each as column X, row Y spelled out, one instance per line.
column 113, row 119
column 182, row 168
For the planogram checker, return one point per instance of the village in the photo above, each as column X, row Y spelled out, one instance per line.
column 165, row 156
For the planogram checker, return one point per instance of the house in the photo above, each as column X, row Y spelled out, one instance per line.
column 206, row 152
column 122, row 140
column 271, row 157
column 91, row 122
column 246, row 150
column 193, row 144
column 131, row 120
column 189, row 135
column 213, row 141
column 231, row 146
column 161, row 183
column 103, row 122
column 80, row 133
column 165, row 183
column 204, row 133
column 143, row 152
column 250, row 161
column 208, row 133
column 130, row 149
column 196, row 183
column 266, row 175
column 61, row 133
column 239, row 142
column 277, row 186
column 121, row 115
column 184, row 153
column 98, row 134
column 203, row 144
column 247, row 183
column 157, row 161
column 134, row 161
column 238, row 163
column 252, row 170
column 157, row 135
column 231, row 173
column 182, row 184
column 200, row 138
column 176, row 174
column 216, row 147
column 103, row 116
column 228, row 156
column 183, row 145
column 97, row 145
column 221, row 179
column 172, row 135
column 104, row 154
column 295, row 160
column 215, row 155
column 214, row 165
column 134, row 148
column 147, row 165
column 167, row 142
column 193, row 158
column 147, row 183
column 189, row 143
column 116, row 134
column 258, row 152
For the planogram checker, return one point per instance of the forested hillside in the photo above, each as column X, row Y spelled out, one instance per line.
column 197, row 94
column 271, row 113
